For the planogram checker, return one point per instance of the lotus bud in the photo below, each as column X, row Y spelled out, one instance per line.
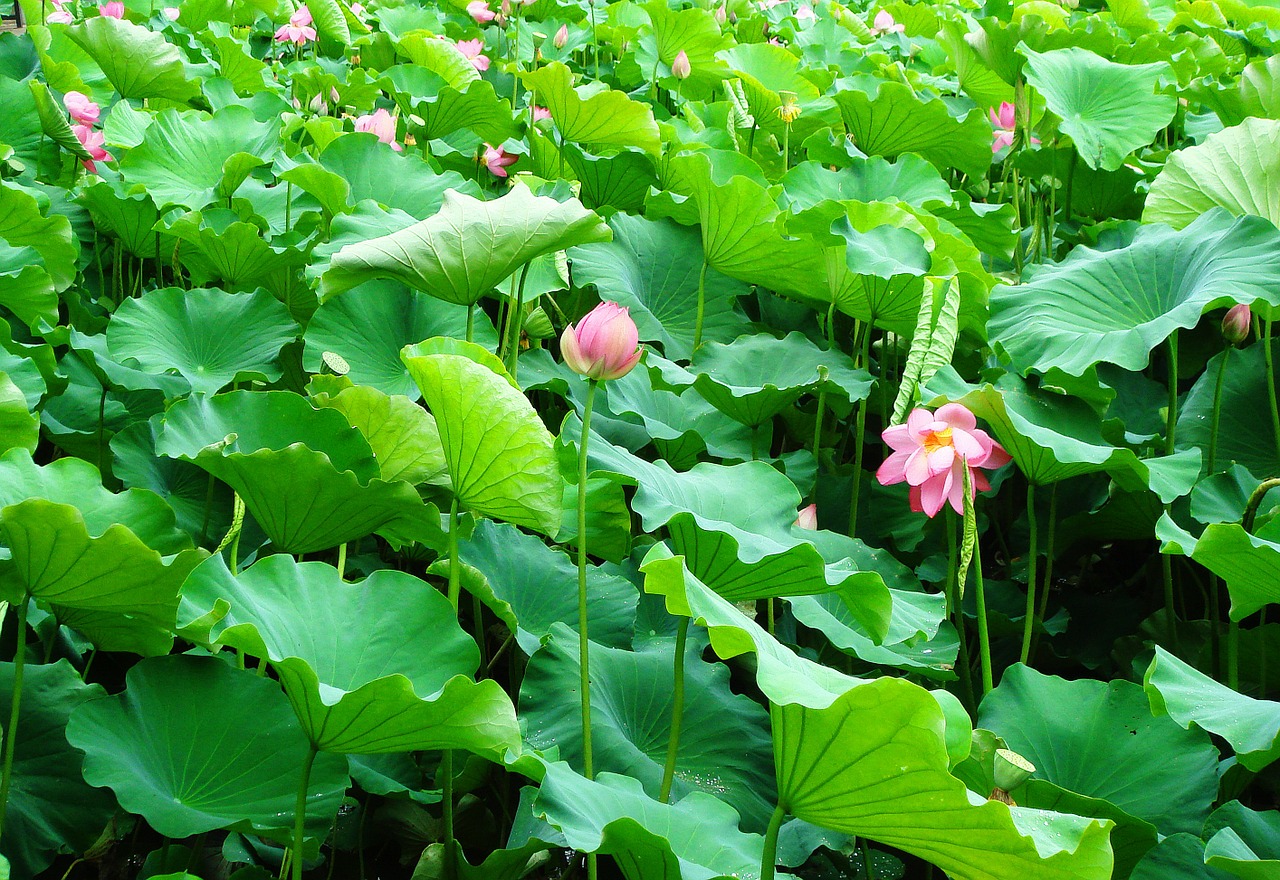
column 681, row 67
column 722, row 15
column 604, row 345
column 1011, row 771
column 561, row 37
column 808, row 518
column 505, row 8
column 538, row 325
column 318, row 106
column 1236, row 324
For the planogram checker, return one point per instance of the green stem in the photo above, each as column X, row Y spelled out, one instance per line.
column 1171, row 419
column 751, row 139
column 446, row 812
column 300, row 813
column 677, row 712
column 1217, row 408
column 860, row 434
column 583, row 641
column 984, row 638
column 288, row 205
column 516, row 319
column 1271, row 383
column 1233, row 654
column 769, row 860
column 955, row 609
column 702, row 306
column 1048, row 564
column 342, row 559
column 11, row 730
column 471, row 322
column 786, row 147
column 1028, row 623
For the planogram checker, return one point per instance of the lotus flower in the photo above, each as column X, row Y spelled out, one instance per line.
column 561, row 37
column 357, row 9
column 497, row 159
column 92, row 142
column 1236, row 324
column 808, row 518
column 930, row 452
column 171, row 12
column 82, row 110
column 1005, row 123
column 806, row 13
column 302, row 17
column 681, row 67
column 480, row 11
column 604, row 345
column 541, row 113
column 885, row 23
column 381, row 123
column 61, row 15
column 474, row 50
column 299, row 30
column 114, row 9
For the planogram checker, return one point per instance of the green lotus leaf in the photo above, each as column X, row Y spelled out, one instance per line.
column 20, row 128
column 896, row 121
column 694, row 32
column 1178, row 855
column 24, row 224
column 50, row 807
column 26, row 289
column 1249, row 565
column 54, row 121
column 1188, row 696
column 1108, row 109
column 219, row 247
column 370, row 667
column 908, row 179
column 1243, row 842
column 619, row 181
column 403, row 436
column 369, row 325
column 208, row 337
column 724, row 743
column 331, row 23
column 19, row 425
column 1131, row 838
column 465, row 250
column 602, row 118
column 130, row 217
column 1115, row 306
column 191, row 159
column 1237, row 169
column 652, row 266
column 440, row 57
column 502, row 460
column 224, row 750
column 138, row 62
column 445, row 110
column 734, row 526
column 894, row 786
column 309, row 479
column 697, row 837
column 1077, row 733
column 531, row 587
column 763, row 71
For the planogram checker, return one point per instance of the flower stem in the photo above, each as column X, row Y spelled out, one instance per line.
column 1271, row 382
column 955, row 609
column 1048, row 564
column 702, row 305
column 677, row 712
column 1028, row 622
column 769, row 860
column 446, row 758
column 583, row 641
column 516, row 318
column 300, row 814
column 11, row 730
column 1171, row 419
column 1217, row 408
column 860, row 435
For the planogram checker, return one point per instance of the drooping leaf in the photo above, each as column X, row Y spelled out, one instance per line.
column 403, row 436
column 139, row 63
column 606, row 118
column 1243, row 842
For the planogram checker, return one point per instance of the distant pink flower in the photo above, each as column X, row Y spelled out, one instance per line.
column 474, row 50
column 114, row 9
column 301, row 18
column 497, row 159
column 561, row 38
column 62, row 15
column 541, row 113
column 82, row 110
column 808, row 518
column 774, row 41
column 885, row 23
column 806, row 13
column 381, row 123
column 357, row 9
column 604, row 344
column 92, row 142
column 480, row 11
column 171, row 12
column 298, row 30
column 1005, row 123
column 930, row 453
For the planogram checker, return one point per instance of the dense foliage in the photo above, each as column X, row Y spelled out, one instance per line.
column 929, row 535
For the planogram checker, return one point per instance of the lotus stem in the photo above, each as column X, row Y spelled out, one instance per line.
column 984, row 637
column 515, row 318
column 584, row 654
column 11, row 730
column 446, row 758
column 860, row 434
column 342, row 560
column 1233, row 654
column 471, row 321
column 1028, row 622
column 769, row 859
column 300, row 813
column 702, row 305
column 1048, row 565
column 677, row 712
column 956, row 607
column 1271, row 382
column 1217, row 408
column 1171, row 419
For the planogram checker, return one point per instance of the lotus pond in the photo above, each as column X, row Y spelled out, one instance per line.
column 652, row 440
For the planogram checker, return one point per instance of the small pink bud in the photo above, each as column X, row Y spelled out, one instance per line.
column 114, row 9
column 681, row 67
column 171, row 12
column 604, row 344
column 1236, row 324
column 722, row 15
column 561, row 37
column 808, row 518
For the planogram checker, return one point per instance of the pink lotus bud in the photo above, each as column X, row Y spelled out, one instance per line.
column 604, row 344
column 114, row 9
column 541, row 113
column 808, row 518
column 722, row 15
column 381, row 123
column 171, row 12
column 1236, row 324
column 318, row 105
column 561, row 37
column 480, row 11
column 681, row 67
column 357, row 9
column 505, row 8
column 82, row 110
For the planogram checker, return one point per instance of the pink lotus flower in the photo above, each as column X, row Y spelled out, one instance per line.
column 474, row 50
column 81, row 109
column 171, row 12
column 381, row 123
column 301, row 18
column 541, row 113
column 1236, row 324
column 885, row 23
column 930, row 452
column 1005, row 123
column 357, row 9
column 806, row 13
column 480, row 11
column 561, row 37
column 92, row 142
column 497, row 159
column 808, row 518
column 114, row 9
column 61, row 15
column 604, row 345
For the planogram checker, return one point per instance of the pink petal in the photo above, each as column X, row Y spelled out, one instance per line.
column 900, row 437
column 919, row 420
column 934, row 491
column 894, row 468
column 968, row 446
column 956, row 415
column 917, row 468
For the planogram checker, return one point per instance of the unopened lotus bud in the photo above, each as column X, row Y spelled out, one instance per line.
column 681, row 67
column 561, row 37
column 808, row 518
column 1011, row 769
column 1236, row 324
column 604, row 344
column 722, row 14
column 318, row 105
column 538, row 326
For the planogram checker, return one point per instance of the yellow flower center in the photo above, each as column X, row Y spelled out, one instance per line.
column 935, row 440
